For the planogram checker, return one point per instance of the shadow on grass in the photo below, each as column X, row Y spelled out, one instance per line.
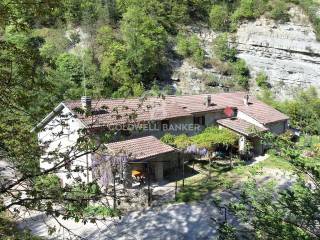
column 216, row 179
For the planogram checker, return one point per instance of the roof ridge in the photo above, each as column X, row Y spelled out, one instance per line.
column 159, row 97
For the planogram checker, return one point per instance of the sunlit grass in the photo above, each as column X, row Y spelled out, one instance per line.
column 222, row 177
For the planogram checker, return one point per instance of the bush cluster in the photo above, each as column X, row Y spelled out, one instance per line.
column 303, row 109
column 225, row 16
column 262, row 80
column 226, row 53
column 191, row 48
column 219, row 17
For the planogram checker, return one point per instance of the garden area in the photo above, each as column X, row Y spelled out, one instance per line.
column 213, row 179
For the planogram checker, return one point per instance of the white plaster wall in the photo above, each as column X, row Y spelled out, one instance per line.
column 245, row 117
column 62, row 143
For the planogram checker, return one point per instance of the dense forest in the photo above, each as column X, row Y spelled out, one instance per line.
column 53, row 50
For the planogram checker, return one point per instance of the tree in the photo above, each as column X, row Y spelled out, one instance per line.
column 241, row 72
column 170, row 14
column 145, row 41
column 219, row 17
column 292, row 213
column 303, row 109
column 190, row 47
column 222, row 49
column 27, row 94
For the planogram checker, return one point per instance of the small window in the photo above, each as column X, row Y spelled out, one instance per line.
column 164, row 125
column 201, row 120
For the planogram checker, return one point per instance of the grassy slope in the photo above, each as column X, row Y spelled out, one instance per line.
column 198, row 186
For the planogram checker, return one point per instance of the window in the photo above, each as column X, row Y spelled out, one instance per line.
column 200, row 120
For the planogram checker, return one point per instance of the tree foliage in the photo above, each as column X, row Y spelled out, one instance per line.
column 303, row 109
column 292, row 213
column 209, row 139
column 219, row 17
column 190, row 47
column 212, row 137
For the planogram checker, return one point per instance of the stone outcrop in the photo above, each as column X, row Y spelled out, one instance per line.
column 288, row 53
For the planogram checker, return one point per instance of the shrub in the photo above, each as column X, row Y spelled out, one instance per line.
column 198, row 57
column 224, row 68
column 209, row 79
column 262, row 80
column 219, row 17
column 191, row 48
column 242, row 81
column 279, row 11
column 249, row 9
column 240, row 68
column 74, row 38
column 183, row 45
column 169, row 139
column 245, row 10
column 241, row 72
column 222, row 49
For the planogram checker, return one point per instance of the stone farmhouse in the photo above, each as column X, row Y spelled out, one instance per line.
column 139, row 124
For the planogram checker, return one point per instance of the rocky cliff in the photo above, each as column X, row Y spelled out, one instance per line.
column 287, row 52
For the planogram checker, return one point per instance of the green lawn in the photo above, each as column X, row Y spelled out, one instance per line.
column 198, row 186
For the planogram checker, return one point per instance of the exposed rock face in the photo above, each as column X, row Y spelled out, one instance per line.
column 288, row 53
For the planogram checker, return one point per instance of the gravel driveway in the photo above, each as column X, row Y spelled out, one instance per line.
column 175, row 221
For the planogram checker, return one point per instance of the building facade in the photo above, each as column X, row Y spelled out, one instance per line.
column 135, row 118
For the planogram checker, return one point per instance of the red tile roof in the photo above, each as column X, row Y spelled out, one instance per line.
column 121, row 111
column 262, row 112
column 140, row 148
column 241, row 126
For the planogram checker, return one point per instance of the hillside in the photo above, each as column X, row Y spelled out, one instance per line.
column 288, row 53
column 242, row 164
column 123, row 48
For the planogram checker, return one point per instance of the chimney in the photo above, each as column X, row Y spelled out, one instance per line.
column 246, row 100
column 86, row 103
column 207, row 100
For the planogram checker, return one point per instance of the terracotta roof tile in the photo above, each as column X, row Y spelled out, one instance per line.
column 241, row 126
column 141, row 148
column 121, row 111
